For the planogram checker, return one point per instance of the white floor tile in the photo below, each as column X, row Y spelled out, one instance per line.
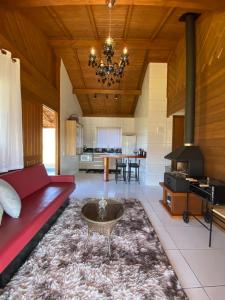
column 201, row 270
column 196, row 294
column 186, row 276
column 216, row 293
column 164, row 238
column 208, row 265
column 190, row 237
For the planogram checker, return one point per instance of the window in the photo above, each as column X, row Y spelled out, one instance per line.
column 109, row 137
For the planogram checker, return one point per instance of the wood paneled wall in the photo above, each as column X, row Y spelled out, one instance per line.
column 25, row 41
column 210, row 90
column 32, row 132
column 176, row 79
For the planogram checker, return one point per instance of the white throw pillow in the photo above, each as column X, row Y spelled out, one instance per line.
column 1, row 214
column 9, row 199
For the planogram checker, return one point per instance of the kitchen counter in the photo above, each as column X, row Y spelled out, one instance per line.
column 93, row 161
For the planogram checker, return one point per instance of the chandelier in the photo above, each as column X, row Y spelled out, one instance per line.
column 108, row 71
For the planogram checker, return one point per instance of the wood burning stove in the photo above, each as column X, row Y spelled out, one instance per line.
column 189, row 155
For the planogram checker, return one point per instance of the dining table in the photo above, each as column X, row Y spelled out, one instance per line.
column 107, row 158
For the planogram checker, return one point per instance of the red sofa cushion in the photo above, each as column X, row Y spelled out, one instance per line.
column 36, row 210
column 28, row 180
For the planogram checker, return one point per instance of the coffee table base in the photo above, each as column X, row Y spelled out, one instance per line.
column 102, row 232
column 102, row 219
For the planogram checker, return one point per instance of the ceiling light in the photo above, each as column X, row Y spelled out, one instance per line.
column 109, row 72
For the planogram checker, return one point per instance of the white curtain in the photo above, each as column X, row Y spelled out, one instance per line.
column 108, row 137
column 11, row 138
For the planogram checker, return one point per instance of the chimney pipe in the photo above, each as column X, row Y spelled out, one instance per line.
column 189, row 19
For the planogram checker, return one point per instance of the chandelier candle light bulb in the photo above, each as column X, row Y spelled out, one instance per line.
column 92, row 51
column 109, row 41
column 125, row 51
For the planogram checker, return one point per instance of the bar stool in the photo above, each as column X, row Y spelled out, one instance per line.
column 133, row 167
column 120, row 174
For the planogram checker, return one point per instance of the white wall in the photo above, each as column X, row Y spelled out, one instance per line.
column 68, row 105
column 153, row 128
column 91, row 123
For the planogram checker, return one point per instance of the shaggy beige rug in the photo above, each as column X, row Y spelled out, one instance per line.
column 61, row 267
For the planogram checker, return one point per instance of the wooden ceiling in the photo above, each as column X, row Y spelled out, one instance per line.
column 150, row 29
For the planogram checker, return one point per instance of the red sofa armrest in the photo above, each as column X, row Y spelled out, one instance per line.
column 62, row 178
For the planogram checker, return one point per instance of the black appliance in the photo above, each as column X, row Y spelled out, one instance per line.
column 192, row 157
column 213, row 190
column 102, row 150
column 189, row 154
column 176, row 182
column 88, row 150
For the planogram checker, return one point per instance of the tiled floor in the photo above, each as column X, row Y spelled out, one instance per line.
column 201, row 270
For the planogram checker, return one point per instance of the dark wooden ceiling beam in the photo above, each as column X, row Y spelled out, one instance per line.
column 106, row 91
column 161, row 24
column 187, row 4
column 111, row 115
column 142, row 44
column 141, row 79
column 127, row 21
column 82, row 77
column 92, row 21
column 54, row 15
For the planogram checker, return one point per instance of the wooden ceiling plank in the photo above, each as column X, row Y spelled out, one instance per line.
column 59, row 22
column 141, row 79
column 82, row 77
column 127, row 21
column 106, row 92
column 161, row 24
column 130, row 43
column 188, row 4
column 111, row 115
column 92, row 21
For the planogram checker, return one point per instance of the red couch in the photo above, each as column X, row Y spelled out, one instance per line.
column 42, row 197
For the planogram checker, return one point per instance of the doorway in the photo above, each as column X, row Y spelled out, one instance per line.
column 49, row 140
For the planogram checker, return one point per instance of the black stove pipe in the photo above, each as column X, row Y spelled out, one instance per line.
column 189, row 19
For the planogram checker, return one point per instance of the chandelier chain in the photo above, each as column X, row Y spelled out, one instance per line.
column 110, row 21
column 108, row 71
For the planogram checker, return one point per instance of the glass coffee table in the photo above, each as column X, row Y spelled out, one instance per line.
column 101, row 216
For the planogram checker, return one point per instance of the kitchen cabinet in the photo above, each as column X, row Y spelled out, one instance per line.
column 95, row 163
column 175, row 202
column 73, row 138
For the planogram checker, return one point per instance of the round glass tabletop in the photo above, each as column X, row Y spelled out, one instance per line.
column 94, row 212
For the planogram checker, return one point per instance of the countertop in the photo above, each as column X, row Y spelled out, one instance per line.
column 122, row 156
